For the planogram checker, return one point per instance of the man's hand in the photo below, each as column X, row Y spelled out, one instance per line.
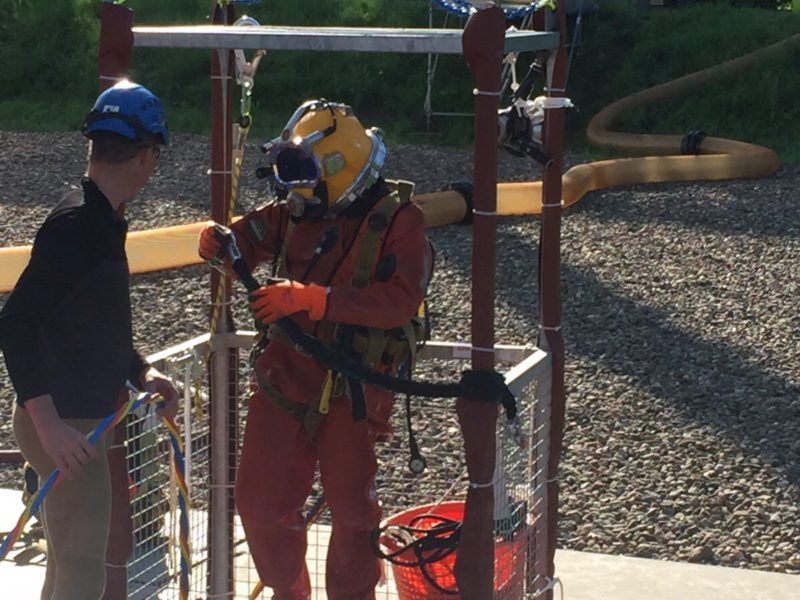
column 209, row 246
column 66, row 446
column 271, row 302
column 156, row 383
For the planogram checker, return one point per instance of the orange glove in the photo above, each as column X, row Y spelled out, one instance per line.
column 208, row 246
column 271, row 302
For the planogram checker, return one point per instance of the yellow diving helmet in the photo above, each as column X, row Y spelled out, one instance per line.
column 324, row 159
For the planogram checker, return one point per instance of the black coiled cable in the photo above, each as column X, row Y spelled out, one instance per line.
column 427, row 545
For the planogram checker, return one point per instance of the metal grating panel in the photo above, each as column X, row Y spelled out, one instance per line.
column 153, row 569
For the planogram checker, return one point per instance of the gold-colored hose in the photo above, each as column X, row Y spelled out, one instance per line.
column 173, row 247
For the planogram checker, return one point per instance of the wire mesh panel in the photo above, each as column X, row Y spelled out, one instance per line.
column 154, row 566
column 245, row 576
column 535, row 393
column 437, row 496
column 149, row 568
column 520, row 484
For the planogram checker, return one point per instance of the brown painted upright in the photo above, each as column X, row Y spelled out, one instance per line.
column 113, row 60
column 551, row 337
column 221, row 571
column 116, row 43
column 482, row 40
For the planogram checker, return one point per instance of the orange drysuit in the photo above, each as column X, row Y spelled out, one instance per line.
column 279, row 456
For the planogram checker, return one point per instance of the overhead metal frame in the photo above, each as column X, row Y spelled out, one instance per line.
column 331, row 39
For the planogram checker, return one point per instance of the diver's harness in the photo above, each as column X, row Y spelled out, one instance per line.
column 485, row 386
column 391, row 350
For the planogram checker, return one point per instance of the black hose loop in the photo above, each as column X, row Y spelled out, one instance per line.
column 483, row 386
column 467, row 192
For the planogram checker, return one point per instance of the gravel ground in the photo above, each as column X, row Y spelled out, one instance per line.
column 680, row 321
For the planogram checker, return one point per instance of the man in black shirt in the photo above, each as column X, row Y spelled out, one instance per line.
column 66, row 335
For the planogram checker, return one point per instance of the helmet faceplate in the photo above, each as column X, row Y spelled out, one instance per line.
column 325, row 151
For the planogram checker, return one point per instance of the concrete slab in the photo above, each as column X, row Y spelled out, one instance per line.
column 21, row 583
column 18, row 582
column 589, row 576
column 585, row 575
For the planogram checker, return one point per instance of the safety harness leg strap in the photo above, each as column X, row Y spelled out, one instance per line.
column 308, row 415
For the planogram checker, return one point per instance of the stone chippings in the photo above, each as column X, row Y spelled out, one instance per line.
column 680, row 317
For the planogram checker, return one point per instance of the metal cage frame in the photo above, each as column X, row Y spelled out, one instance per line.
column 483, row 42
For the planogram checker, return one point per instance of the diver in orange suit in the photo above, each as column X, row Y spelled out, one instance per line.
column 336, row 210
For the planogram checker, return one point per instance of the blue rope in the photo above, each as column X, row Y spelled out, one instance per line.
column 463, row 8
column 93, row 437
column 37, row 500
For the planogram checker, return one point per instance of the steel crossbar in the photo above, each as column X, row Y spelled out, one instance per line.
column 332, row 39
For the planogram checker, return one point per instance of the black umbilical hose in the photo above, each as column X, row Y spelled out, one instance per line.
column 485, row 386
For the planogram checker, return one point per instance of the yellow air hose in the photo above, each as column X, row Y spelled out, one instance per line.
column 172, row 247
column 718, row 158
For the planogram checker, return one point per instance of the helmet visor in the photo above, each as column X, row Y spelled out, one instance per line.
column 294, row 167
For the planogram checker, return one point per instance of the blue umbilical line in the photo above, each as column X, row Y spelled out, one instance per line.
column 463, row 8
column 36, row 501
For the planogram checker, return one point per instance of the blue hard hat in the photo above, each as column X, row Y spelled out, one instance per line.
column 130, row 110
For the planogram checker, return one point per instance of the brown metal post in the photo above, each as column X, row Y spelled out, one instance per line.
column 11, row 456
column 482, row 40
column 120, row 536
column 223, row 364
column 116, row 43
column 114, row 59
column 551, row 337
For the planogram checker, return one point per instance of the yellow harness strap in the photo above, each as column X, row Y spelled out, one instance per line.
column 373, row 348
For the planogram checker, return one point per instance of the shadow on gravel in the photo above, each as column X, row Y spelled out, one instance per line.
column 709, row 382
column 712, row 383
column 753, row 214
